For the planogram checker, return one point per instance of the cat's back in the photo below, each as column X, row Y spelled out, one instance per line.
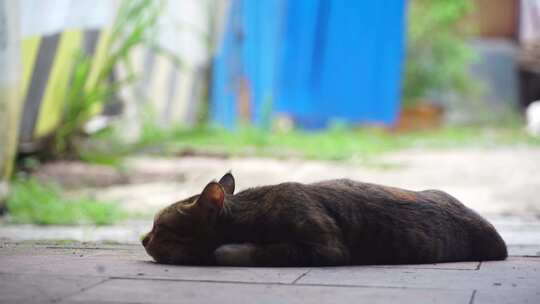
column 379, row 224
column 389, row 217
column 347, row 191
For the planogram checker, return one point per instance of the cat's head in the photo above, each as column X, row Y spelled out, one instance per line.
column 183, row 232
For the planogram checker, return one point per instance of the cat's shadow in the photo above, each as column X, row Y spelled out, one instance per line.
column 178, row 266
column 154, row 263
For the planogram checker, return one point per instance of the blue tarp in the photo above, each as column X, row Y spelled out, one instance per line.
column 316, row 61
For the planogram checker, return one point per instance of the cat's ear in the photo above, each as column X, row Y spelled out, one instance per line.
column 211, row 200
column 227, row 182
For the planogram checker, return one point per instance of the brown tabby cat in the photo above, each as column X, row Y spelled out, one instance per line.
column 336, row 222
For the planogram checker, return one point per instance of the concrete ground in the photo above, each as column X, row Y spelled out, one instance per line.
column 95, row 273
column 501, row 184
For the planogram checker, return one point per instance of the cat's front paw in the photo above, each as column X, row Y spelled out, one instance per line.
column 235, row 254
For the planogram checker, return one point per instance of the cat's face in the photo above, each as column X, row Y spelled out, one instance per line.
column 183, row 232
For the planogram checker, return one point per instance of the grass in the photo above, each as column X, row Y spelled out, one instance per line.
column 339, row 142
column 32, row 202
column 105, row 148
column 336, row 143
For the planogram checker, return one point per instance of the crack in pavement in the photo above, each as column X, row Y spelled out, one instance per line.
column 60, row 299
column 471, row 301
column 301, row 276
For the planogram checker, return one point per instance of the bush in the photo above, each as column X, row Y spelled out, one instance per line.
column 438, row 56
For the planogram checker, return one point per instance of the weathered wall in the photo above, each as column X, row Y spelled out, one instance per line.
column 9, row 90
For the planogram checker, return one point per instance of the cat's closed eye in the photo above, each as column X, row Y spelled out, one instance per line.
column 168, row 232
column 165, row 228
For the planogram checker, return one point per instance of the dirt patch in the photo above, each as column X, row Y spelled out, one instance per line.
column 71, row 175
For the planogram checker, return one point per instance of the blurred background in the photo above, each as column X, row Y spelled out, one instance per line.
column 110, row 110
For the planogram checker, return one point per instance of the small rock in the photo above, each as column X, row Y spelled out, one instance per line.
column 100, row 268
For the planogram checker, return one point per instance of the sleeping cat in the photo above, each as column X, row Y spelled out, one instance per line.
column 335, row 222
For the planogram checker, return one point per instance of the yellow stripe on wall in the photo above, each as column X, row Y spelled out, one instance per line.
column 9, row 124
column 183, row 94
column 98, row 61
column 99, row 57
column 57, row 85
column 158, row 87
column 29, row 48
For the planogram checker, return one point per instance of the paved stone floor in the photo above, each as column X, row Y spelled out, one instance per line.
column 502, row 185
column 98, row 273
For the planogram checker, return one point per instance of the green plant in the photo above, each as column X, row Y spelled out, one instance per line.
column 104, row 148
column 437, row 56
column 336, row 143
column 32, row 202
column 133, row 26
